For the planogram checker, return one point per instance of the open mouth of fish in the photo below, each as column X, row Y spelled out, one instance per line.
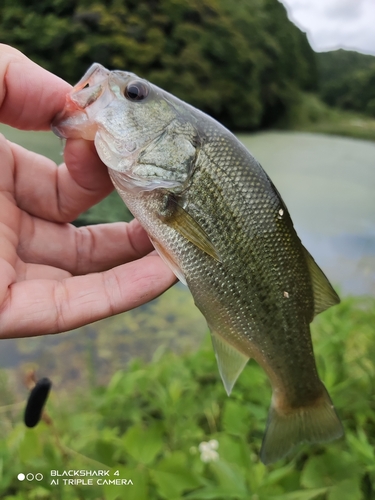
column 77, row 120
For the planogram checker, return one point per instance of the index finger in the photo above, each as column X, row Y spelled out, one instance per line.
column 45, row 306
column 30, row 96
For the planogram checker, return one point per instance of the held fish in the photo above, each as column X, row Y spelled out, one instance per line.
column 215, row 217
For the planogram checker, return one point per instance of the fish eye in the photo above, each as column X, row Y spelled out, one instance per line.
column 136, row 91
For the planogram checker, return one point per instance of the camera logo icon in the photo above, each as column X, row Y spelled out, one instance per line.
column 29, row 476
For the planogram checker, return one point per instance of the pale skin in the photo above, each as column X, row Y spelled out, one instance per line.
column 55, row 277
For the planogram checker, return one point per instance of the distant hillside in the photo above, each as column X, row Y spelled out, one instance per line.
column 337, row 63
column 242, row 62
column 347, row 80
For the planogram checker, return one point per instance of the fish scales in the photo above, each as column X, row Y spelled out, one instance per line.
column 215, row 217
column 251, row 293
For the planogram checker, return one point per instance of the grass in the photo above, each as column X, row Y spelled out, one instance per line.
column 148, row 422
column 44, row 143
column 310, row 114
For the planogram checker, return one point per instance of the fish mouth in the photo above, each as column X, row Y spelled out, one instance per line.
column 77, row 119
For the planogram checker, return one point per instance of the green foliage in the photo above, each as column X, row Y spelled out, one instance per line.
column 347, row 80
column 146, row 426
column 309, row 113
column 356, row 91
column 336, row 64
column 239, row 61
column 144, row 444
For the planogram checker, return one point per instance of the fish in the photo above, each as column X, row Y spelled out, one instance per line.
column 215, row 217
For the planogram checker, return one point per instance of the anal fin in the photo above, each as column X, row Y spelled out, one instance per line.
column 230, row 361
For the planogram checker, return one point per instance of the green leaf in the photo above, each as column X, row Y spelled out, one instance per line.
column 136, row 491
column 124, row 382
column 105, row 451
column 349, row 489
column 256, row 476
column 361, row 447
column 173, row 476
column 303, row 494
column 275, row 476
column 328, row 469
column 39, row 493
column 236, row 418
column 213, row 493
column 30, row 446
column 234, row 449
column 144, row 443
column 230, row 477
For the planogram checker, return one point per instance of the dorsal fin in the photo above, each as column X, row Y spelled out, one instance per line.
column 230, row 361
column 324, row 295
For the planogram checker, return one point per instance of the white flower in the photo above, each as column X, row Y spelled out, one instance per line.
column 214, row 444
column 209, row 456
column 203, row 446
column 208, row 450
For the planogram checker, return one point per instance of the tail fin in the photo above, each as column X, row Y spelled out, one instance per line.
column 313, row 424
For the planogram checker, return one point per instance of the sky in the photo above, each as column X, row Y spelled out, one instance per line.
column 334, row 24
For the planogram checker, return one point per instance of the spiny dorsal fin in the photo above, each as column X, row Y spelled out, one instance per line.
column 230, row 361
column 324, row 294
column 177, row 217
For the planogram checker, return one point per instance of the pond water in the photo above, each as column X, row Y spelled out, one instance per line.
column 328, row 184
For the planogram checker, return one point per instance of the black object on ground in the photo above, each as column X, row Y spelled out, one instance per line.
column 35, row 403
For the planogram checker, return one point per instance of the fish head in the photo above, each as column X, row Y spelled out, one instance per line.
column 142, row 133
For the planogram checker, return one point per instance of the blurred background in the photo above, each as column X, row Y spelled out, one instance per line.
column 138, row 392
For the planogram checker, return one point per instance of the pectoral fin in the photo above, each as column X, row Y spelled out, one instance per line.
column 324, row 294
column 230, row 361
column 177, row 217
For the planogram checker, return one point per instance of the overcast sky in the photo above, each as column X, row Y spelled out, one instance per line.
column 333, row 24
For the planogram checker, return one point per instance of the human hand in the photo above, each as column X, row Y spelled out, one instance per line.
column 53, row 276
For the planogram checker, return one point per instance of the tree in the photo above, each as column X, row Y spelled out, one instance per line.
column 347, row 80
column 241, row 62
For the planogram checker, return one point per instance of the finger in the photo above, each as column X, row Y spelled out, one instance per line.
column 26, row 271
column 42, row 307
column 50, row 192
column 85, row 167
column 30, row 96
column 81, row 250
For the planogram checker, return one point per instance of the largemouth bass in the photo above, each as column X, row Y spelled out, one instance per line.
column 215, row 217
